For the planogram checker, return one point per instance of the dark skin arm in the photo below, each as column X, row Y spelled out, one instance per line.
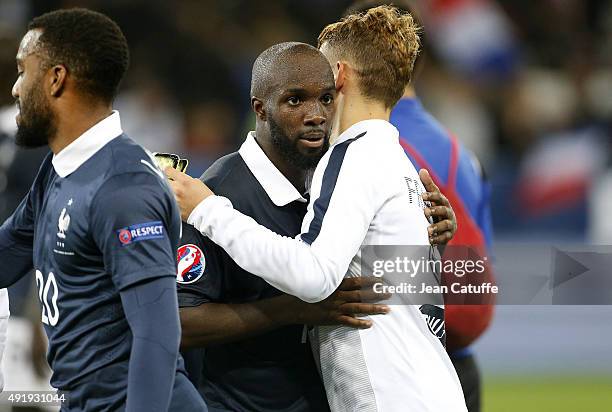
column 214, row 323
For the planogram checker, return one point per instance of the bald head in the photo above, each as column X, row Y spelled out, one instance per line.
column 272, row 67
column 292, row 95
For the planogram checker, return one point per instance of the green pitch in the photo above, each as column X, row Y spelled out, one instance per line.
column 548, row 394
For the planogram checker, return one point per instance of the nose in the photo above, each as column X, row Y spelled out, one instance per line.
column 315, row 116
column 15, row 89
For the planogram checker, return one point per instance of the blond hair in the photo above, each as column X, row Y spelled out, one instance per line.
column 383, row 44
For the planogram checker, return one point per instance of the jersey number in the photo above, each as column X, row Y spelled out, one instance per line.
column 50, row 312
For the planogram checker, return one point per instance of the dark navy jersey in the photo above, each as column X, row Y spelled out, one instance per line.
column 110, row 223
column 273, row 371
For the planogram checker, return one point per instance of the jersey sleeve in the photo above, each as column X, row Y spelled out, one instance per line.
column 16, row 244
column 199, row 278
column 17, row 232
column 136, row 225
column 312, row 266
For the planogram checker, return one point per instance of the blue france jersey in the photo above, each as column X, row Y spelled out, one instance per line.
column 108, row 224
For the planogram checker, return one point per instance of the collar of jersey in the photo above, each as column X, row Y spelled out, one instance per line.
column 87, row 144
column 277, row 187
column 379, row 127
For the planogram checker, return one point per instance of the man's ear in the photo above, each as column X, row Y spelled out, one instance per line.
column 341, row 75
column 57, row 79
column 258, row 108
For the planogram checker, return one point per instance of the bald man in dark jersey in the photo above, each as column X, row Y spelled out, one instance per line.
column 256, row 357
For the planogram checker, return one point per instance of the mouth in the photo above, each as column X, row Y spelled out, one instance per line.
column 18, row 115
column 312, row 139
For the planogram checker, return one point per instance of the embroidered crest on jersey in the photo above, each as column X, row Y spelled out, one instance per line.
column 191, row 264
column 140, row 232
column 63, row 224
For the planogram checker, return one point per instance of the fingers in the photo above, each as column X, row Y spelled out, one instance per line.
column 354, row 322
column 441, row 227
column 439, row 212
column 441, row 239
column 361, row 295
column 171, row 173
column 427, row 181
column 364, row 309
column 175, row 175
column 174, row 185
column 357, row 283
column 435, row 198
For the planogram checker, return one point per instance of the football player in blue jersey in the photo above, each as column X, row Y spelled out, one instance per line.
column 99, row 226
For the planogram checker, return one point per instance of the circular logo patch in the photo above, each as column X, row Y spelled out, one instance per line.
column 191, row 264
column 125, row 236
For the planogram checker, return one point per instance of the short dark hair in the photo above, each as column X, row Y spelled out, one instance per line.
column 89, row 44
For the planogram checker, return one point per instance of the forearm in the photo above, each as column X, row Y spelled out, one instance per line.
column 151, row 311
column 214, row 323
column 287, row 264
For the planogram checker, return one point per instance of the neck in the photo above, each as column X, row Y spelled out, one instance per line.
column 293, row 174
column 409, row 92
column 355, row 108
column 75, row 122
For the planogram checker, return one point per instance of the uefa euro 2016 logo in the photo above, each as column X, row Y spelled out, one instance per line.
column 191, row 264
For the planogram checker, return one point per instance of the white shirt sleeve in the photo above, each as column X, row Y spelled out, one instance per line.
column 350, row 196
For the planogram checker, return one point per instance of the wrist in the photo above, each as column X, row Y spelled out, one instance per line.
column 200, row 209
column 291, row 311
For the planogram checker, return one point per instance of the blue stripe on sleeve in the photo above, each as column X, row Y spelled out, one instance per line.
column 330, row 177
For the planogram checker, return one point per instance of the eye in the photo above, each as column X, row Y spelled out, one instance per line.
column 293, row 100
column 327, row 99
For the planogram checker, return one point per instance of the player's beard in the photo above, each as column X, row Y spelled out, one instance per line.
column 290, row 151
column 37, row 121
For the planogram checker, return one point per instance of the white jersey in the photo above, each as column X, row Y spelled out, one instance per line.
column 362, row 194
column 4, row 315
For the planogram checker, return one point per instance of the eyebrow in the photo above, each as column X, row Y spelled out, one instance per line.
column 298, row 90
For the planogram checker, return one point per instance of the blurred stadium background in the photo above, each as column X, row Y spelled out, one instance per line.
column 527, row 85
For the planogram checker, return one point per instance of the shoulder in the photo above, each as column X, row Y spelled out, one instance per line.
column 128, row 169
column 225, row 173
column 126, row 162
column 124, row 156
column 469, row 161
column 368, row 149
column 423, row 131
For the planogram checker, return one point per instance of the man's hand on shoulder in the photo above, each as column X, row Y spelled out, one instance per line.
column 189, row 192
column 353, row 297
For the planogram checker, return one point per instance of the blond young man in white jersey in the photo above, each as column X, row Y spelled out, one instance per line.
column 359, row 197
